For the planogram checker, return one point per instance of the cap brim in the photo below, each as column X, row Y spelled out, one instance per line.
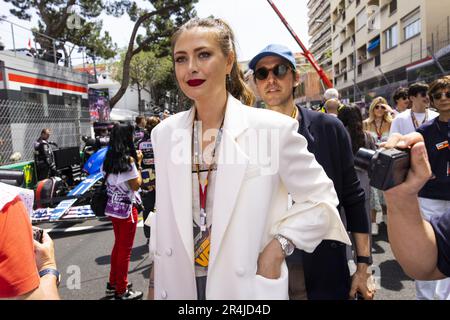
column 252, row 64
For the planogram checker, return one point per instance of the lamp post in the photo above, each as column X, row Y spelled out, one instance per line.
column 354, row 55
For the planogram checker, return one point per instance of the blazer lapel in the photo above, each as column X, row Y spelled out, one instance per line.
column 180, row 180
column 232, row 164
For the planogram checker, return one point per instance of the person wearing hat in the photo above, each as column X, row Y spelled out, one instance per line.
column 323, row 274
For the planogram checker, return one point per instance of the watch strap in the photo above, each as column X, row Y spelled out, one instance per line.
column 51, row 271
column 363, row 259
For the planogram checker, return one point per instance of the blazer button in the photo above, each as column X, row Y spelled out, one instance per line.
column 240, row 272
column 334, row 245
column 164, row 294
column 169, row 252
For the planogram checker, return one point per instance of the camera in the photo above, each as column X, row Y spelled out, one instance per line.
column 38, row 234
column 386, row 168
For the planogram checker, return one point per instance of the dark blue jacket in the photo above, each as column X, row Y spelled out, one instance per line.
column 327, row 275
column 435, row 133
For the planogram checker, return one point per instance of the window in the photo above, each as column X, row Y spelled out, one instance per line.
column 412, row 25
column 392, row 7
column 391, row 37
column 361, row 19
column 337, row 43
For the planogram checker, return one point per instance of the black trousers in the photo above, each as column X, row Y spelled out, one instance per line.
column 148, row 200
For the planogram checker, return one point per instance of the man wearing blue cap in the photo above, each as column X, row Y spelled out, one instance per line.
column 323, row 274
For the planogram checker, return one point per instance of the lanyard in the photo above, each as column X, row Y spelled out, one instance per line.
column 415, row 122
column 379, row 130
column 203, row 189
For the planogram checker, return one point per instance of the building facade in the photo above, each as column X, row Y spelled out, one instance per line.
column 319, row 29
column 379, row 45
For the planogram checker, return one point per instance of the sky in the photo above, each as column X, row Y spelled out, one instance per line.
column 254, row 23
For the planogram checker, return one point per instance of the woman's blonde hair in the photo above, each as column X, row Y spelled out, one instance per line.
column 387, row 116
column 235, row 84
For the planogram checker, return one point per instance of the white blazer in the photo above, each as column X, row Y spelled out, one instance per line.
column 249, row 208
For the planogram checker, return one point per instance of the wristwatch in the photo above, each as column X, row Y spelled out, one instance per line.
column 363, row 259
column 53, row 272
column 286, row 245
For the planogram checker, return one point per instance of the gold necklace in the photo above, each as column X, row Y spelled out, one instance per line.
column 294, row 113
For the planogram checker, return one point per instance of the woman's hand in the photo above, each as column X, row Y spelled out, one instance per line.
column 140, row 156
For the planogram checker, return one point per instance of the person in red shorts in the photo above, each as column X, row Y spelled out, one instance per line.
column 27, row 267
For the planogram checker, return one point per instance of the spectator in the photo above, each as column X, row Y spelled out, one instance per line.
column 324, row 273
column 139, row 129
column 434, row 197
column 148, row 172
column 421, row 247
column 408, row 121
column 401, row 100
column 122, row 170
column 352, row 119
column 332, row 106
column 378, row 125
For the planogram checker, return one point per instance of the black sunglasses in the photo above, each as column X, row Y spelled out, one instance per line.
column 378, row 106
column 438, row 96
column 279, row 71
column 423, row 94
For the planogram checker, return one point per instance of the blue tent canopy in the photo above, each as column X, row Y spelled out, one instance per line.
column 373, row 44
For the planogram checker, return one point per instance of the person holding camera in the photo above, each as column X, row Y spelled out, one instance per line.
column 421, row 247
column 27, row 267
column 434, row 197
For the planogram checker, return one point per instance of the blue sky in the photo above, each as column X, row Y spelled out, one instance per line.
column 254, row 22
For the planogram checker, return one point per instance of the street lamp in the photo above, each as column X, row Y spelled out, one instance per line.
column 321, row 21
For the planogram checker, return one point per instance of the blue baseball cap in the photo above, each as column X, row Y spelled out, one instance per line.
column 274, row 50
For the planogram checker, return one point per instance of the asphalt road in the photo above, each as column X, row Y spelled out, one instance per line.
column 83, row 256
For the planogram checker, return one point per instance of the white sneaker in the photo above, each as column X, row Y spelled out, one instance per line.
column 374, row 229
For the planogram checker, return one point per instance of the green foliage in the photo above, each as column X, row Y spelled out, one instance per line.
column 53, row 22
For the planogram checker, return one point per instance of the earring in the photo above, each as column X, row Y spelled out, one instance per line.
column 228, row 82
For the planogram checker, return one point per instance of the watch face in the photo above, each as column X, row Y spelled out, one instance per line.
column 290, row 249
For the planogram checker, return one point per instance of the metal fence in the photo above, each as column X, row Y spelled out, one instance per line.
column 22, row 41
column 22, row 122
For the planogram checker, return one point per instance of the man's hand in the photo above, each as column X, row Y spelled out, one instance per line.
column 363, row 283
column 420, row 171
column 45, row 253
column 270, row 260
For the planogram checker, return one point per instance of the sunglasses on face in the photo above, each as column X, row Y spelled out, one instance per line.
column 441, row 95
column 422, row 94
column 279, row 71
column 378, row 106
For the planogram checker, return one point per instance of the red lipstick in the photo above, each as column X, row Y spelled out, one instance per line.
column 195, row 82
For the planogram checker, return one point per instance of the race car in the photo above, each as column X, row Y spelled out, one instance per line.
column 55, row 201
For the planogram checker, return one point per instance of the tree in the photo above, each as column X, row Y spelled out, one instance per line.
column 56, row 21
column 148, row 73
column 160, row 24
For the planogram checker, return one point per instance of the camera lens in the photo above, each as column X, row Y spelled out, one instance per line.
column 363, row 158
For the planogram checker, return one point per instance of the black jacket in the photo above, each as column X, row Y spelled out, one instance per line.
column 327, row 275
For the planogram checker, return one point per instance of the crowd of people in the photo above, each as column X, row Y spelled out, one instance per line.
column 235, row 223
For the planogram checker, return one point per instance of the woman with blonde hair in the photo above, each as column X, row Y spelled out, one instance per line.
column 380, row 119
column 223, row 228
column 378, row 125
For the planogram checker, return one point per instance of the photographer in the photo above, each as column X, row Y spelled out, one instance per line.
column 422, row 248
column 27, row 267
